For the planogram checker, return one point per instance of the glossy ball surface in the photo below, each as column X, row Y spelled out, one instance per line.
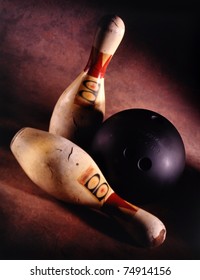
column 140, row 153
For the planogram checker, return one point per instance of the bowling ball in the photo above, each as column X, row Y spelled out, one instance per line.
column 140, row 153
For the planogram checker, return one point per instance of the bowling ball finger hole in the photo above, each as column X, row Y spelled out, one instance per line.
column 144, row 164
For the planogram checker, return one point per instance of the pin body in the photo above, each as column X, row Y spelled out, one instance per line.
column 68, row 173
column 81, row 107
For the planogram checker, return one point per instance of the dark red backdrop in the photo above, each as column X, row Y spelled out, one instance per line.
column 44, row 45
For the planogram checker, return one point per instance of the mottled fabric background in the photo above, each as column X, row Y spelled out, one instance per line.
column 43, row 47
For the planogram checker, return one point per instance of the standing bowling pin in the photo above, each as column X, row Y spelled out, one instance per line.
column 68, row 173
column 81, row 107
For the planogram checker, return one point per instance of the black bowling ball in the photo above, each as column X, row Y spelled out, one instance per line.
column 140, row 153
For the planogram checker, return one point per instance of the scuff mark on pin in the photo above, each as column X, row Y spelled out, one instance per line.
column 70, row 153
column 75, row 122
column 50, row 169
column 115, row 22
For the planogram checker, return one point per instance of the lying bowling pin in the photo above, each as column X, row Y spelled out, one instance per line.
column 81, row 107
column 67, row 172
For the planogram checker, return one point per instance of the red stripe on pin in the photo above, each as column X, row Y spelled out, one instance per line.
column 116, row 201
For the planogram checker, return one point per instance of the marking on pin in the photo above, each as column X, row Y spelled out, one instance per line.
column 92, row 181
column 88, row 93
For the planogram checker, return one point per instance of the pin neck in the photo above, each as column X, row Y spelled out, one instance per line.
column 97, row 63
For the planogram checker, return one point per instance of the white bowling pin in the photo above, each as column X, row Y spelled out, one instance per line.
column 81, row 107
column 68, row 173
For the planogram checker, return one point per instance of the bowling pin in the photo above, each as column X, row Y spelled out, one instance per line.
column 81, row 107
column 67, row 172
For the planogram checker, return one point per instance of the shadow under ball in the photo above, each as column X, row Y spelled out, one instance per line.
column 141, row 154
